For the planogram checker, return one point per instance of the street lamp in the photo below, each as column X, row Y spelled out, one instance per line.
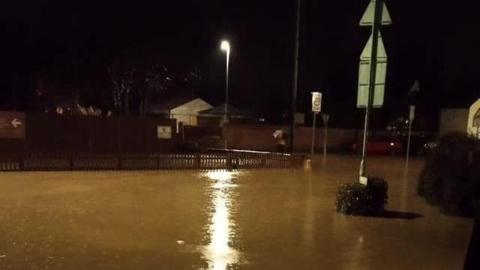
column 225, row 46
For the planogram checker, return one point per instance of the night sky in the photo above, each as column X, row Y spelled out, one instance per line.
column 69, row 43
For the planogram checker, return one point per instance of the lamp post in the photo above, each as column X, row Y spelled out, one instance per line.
column 225, row 46
column 295, row 78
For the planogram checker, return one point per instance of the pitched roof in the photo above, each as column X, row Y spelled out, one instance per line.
column 170, row 104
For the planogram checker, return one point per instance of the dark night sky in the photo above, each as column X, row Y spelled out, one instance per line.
column 70, row 42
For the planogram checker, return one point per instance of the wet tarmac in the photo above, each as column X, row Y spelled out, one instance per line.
column 259, row 219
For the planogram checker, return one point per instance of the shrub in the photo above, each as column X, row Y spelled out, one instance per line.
column 451, row 177
column 358, row 199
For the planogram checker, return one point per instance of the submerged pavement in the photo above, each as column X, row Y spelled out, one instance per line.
column 258, row 219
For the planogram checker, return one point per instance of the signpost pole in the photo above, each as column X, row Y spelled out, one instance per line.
column 409, row 139
column 312, row 150
column 316, row 108
column 410, row 122
column 373, row 72
column 325, row 118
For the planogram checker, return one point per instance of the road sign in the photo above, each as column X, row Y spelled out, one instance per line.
column 12, row 125
column 364, row 74
column 367, row 51
column 164, row 132
column 368, row 16
column 316, row 102
column 373, row 65
column 415, row 87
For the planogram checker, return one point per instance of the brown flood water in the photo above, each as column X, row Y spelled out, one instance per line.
column 258, row 219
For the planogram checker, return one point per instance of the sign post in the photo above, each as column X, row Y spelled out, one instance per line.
column 372, row 71
column 12, row 125
column 316, row 108
column 325, row 117
column 411, row 116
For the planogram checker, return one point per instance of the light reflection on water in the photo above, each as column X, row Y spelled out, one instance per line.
column 218, row 252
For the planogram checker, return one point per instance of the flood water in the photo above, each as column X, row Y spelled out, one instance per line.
column 254, row 219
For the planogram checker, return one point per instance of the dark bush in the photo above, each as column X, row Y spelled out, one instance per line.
column 451, row 177
column 358, row 199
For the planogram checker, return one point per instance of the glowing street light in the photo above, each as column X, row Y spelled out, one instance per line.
column 225, row 46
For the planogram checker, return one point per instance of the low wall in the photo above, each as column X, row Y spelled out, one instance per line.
column 202, row 161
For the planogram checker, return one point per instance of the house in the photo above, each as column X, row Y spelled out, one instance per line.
column 184, row 110
column 473, row 124
column 215, row 116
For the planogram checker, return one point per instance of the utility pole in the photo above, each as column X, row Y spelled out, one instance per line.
column 293, row 107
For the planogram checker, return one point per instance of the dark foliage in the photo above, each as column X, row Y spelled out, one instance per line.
column 451, row 177
column 358, row 199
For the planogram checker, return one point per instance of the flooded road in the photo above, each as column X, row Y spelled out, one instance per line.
column 259, row 219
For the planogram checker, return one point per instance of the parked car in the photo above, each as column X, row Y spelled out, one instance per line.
column 429, row 148
column 420, row 145
column 381, row 145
